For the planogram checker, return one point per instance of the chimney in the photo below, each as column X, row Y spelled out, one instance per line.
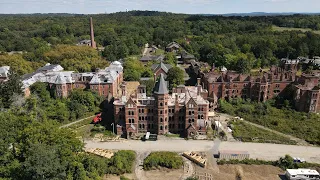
column 154, row 77
column 93, row 43
column 124, row 94
column 177, row 98
column 199, row 87
column 213, row 67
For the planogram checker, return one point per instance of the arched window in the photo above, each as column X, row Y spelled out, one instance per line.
column 166, row 119
column 142, row 126
column 166, row 127
column 160, row 112
column 161, row 120
column 139, row 126
column 192, row 120
column 189, row 120
column 161, row 128
column 161, row 104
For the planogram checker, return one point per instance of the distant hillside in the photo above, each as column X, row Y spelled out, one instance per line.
column 160, row 13
column 263, row 14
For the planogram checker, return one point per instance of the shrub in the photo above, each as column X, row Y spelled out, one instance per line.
column 121, row 162
column 169, row 160
column 283, row 163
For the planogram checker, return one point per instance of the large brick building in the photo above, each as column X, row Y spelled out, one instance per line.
column 307, row 93
column 106, row 82
column 265, row 85
column 184, row 111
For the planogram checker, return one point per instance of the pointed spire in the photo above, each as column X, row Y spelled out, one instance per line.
column 161, row 86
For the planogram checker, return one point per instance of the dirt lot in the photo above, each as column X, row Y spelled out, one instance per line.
column 164, row 174
column 115, row 177
column 250, row 172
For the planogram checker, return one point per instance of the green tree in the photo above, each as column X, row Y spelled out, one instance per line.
column 42, row 162
column 175, row 77
column 9, row 89
column 170, row 58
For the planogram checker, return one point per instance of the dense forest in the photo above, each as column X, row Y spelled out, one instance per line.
column 227, row 41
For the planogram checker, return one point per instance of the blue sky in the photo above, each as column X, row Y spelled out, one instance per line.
column 177, row 6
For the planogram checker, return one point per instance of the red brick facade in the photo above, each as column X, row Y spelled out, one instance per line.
column 183, row 112
column 266, row 85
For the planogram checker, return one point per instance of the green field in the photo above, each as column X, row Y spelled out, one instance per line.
column 248, row 133
column 277, row 28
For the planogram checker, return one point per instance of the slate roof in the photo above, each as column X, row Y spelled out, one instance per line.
column 152, row 58
column 50, row 67
column 161, row 86
column 164, row 67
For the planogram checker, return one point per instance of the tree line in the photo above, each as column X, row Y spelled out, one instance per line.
column 229, row 41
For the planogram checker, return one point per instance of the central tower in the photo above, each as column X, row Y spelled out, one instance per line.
column 161, row 105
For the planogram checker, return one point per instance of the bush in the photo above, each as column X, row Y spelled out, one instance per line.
column 283, row 163
column 124, row 178
column 121, row 162
column 169, row 160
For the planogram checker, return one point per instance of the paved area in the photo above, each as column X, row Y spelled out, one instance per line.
column 256, row 150
column 140, row 174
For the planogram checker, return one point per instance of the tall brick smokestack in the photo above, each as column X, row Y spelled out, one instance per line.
column 93, row 43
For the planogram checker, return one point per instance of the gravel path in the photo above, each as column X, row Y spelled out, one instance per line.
column 256, row 150
column 75, row 122
column 140, row 174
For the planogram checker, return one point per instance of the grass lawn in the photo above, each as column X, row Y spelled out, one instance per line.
column 172, row 135
column 249, row 133
column 277, row 28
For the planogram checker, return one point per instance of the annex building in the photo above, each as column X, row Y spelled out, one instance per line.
column 105, row 82
column 184, row 111
column 266, row 85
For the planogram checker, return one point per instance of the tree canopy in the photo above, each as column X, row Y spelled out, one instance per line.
column 175, row 77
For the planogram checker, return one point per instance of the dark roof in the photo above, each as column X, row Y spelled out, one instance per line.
column 161, row 86
column 27, row 76
column 152, row 58
column 163, row 66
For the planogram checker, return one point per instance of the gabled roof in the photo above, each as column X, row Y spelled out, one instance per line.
column 161, row 86
column 61, row 80
column 173, row 44
column 50, row 67
column 164, row 67
column 152, row 58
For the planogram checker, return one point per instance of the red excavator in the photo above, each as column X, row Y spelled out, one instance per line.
column 97, row 119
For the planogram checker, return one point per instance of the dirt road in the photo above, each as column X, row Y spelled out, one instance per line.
column 256, row 150
column 67, row 125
